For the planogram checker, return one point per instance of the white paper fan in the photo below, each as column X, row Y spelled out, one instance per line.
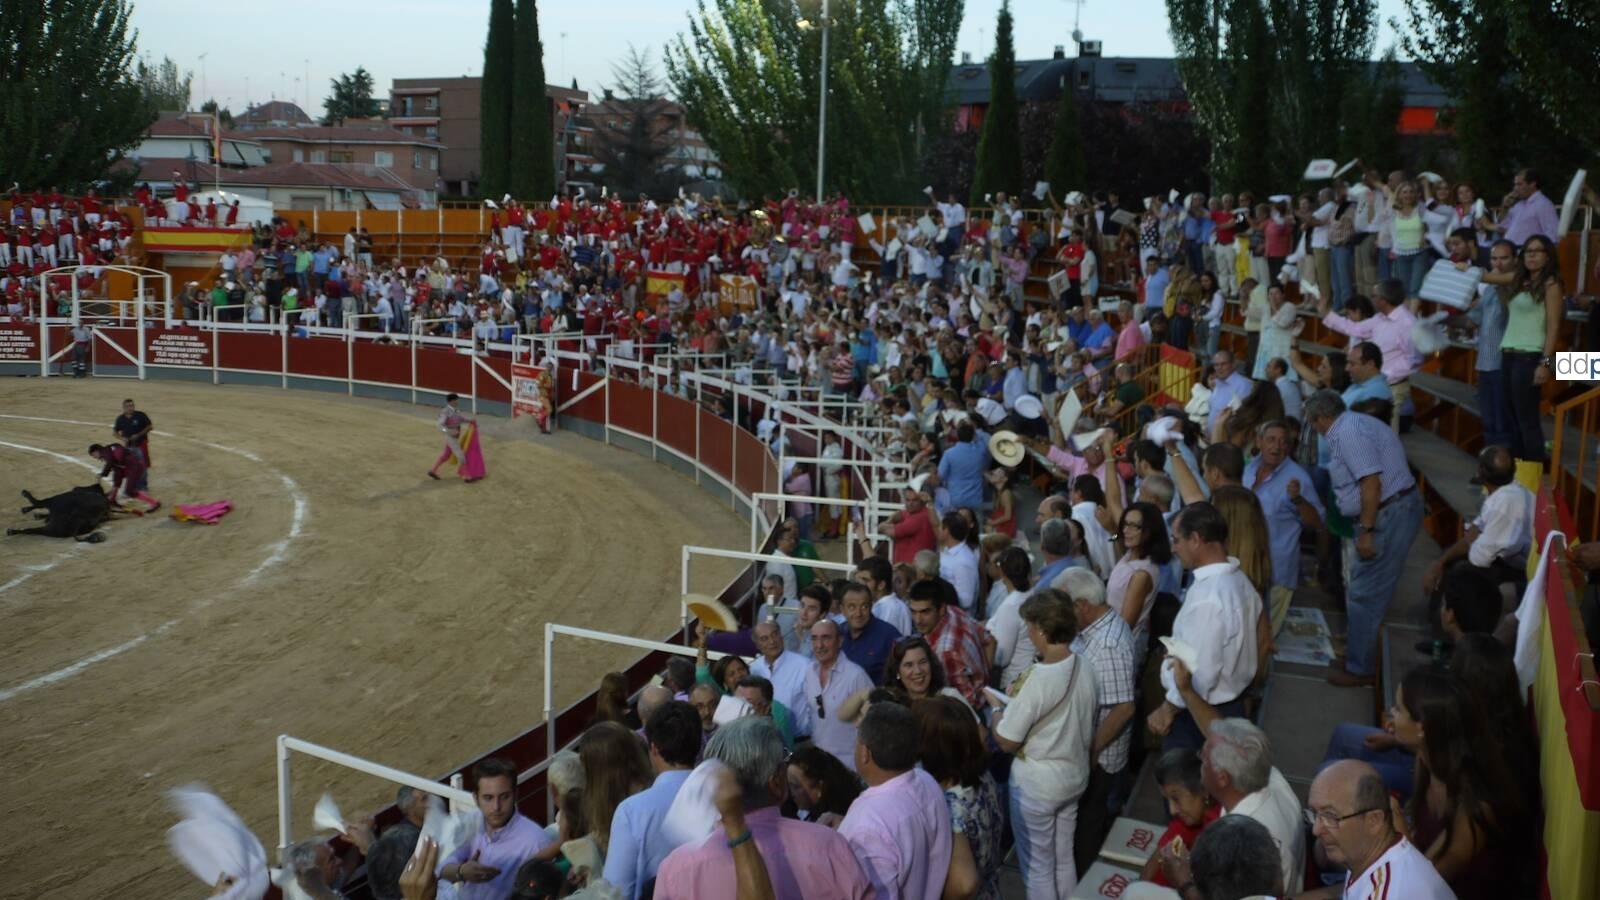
column 327, row 815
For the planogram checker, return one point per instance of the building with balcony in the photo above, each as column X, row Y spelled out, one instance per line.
column 449, row 111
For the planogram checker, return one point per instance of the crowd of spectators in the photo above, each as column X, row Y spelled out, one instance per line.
column 984, row 681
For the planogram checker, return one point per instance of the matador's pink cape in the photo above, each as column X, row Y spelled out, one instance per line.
column 205, row 513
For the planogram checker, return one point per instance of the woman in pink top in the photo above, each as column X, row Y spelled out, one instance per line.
column 1131, row 589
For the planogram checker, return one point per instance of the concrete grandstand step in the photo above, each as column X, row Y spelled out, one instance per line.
column 1447, row 468
column 1451, row 390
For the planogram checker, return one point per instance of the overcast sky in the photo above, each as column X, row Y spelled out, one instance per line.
column 258, row 51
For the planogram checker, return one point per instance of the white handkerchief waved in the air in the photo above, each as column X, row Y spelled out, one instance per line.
column 327, row 815
column 449, row 830
column 693, row 813
column 730, row 708
column 1162, row 430
column 212, row 842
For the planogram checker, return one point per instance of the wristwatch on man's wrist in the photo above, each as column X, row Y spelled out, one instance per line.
column 1366, row 529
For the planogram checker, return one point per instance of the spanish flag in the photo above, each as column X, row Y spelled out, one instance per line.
column 660, row 282
column 1177, row 374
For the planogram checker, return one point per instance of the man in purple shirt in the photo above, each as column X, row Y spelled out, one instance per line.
column 486, row 866
column 803, row 859
column 899, row 827
column 1532, row 214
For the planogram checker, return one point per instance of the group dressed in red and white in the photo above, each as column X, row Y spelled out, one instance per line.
column 46, row 230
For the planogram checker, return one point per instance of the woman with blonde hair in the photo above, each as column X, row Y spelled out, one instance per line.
column 1408, row 236
column 1249, row 543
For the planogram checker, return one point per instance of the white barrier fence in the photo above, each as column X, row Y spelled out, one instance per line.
column 453, row 792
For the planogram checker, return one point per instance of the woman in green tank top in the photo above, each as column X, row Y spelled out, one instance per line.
column 1535, row 301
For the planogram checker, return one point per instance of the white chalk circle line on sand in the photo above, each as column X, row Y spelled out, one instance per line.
column 275, row 555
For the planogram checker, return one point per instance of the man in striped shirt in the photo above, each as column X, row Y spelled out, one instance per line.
column 1374, row 488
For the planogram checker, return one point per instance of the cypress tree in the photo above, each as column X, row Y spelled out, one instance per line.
column 1063, row 165
column 999, row 162
column 533, row 173
column 494, row 171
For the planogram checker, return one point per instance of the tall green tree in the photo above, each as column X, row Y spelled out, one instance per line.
column 635, row 146
column 1367, row 103
column 70, row 104
column 532, row 157
column 163, row 86
column 1556, row 48
column 747, row 73
column 1267, row 79
column 351, row 98
column 1063, row 165
column 999, row 164
column 495, row 104
column 223, row 114
column 1499, row 115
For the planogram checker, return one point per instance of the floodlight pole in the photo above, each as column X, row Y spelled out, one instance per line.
column 822, row 114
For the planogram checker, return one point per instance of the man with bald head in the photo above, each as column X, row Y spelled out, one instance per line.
column 831, row 679
column 1352, row 818
column 1495, row 545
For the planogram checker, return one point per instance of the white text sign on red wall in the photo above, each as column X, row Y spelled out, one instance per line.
column 18, row 345
column 180, row 350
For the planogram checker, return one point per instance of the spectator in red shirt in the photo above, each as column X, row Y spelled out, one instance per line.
column 911, row 528
column 1191, row 809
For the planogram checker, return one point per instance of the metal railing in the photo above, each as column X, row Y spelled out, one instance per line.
column 287, row 746
column 1575, row 460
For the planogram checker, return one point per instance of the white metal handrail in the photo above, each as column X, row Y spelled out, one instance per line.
column 288, row 745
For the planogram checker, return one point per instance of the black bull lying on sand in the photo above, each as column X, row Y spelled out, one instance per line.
column 74, row 514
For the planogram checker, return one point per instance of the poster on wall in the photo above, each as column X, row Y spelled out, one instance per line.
column 179, row 348
column 19, row 343
column 531, row 393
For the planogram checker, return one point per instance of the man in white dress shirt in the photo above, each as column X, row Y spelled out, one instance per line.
column 1236, row 769
column 830, row 680
column 786, row 671
column 1497, row 541
column 1352, row 817
column 958, row 562
column 1218, row 623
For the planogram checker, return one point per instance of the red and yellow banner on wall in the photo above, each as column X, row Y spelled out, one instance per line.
column 195, row 240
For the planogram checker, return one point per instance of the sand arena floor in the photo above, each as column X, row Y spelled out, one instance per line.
column 348, row 600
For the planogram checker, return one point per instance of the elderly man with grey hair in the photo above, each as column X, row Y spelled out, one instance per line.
column 1236, row 769
column 1233, row 857
column 316, row 869
column 566, row 767
column 1105, row 641
column 1055, row 549
column 804, row 859
column 786, row 671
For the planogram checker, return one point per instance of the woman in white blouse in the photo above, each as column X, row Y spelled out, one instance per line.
column 1049, row 724
column 1013, row 652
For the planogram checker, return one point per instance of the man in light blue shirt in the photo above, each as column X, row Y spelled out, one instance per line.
column 1231, row 385
column 1288, row 499
column 1015, row 384
column 1367, row 381
column 961, row 469
column 1489, row 314
column 638, row 841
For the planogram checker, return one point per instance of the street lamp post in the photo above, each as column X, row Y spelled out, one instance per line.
column 822, row 113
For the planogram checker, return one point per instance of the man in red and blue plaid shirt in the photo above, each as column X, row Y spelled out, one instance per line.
column 956, row 637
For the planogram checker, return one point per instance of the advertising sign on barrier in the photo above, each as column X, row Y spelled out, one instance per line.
column 179, row 348
column 530, row 391
column 19, row 343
